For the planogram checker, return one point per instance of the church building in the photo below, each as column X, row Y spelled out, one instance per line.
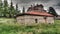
column 35, row 14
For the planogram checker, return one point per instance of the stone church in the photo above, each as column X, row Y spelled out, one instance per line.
column 35, row 14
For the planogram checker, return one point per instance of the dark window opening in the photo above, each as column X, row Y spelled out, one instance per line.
column 36, row 21
column 45, row 17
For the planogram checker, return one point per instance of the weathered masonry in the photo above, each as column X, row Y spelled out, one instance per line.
column 35, row 14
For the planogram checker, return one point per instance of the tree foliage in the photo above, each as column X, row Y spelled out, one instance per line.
column 6, row 10
column 52, row 11
column 1, row 8
column 17, row 11
column 11, row 10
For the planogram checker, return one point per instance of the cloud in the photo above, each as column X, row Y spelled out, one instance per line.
column 27, row 1
column 46, row 3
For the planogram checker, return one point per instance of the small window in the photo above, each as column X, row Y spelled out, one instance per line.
column 45, row 17
column 36, row 21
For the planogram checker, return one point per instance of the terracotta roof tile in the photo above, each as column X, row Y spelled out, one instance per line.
column 39, row 13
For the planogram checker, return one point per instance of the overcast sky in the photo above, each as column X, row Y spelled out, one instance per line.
column 46, row 3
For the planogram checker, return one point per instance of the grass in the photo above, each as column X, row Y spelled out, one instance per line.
column 9, row 26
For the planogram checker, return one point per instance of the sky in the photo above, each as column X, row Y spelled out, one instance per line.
column 47, row 3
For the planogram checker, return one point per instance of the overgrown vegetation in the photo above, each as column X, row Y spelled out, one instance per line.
column 9, row 26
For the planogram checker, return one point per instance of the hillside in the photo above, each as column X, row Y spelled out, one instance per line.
column 10, row 26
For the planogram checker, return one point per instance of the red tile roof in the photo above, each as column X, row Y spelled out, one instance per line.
column 39, row 13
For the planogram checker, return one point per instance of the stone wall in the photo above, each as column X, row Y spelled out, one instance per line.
column 31, row 19
column 50, row 19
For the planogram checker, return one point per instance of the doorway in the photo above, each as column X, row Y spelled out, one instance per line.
column 36, row 20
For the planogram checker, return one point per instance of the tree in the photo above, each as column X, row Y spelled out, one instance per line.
column 23, row 9
column 1, row 8
column 17, row 11
column 11, row 10
column 52, row 11
column 5, row 12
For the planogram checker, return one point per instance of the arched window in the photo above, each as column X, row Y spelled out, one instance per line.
column 36, row 20
column 45, row 19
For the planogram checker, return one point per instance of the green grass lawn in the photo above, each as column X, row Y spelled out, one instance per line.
column 10, row 26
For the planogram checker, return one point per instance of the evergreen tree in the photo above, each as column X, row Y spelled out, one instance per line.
column 1, row 8
column 1, row 4
column 17, row 11
column 52, row 11
column 16, row 8
column 11, row 10
column 5, row 12
column 23, row 9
